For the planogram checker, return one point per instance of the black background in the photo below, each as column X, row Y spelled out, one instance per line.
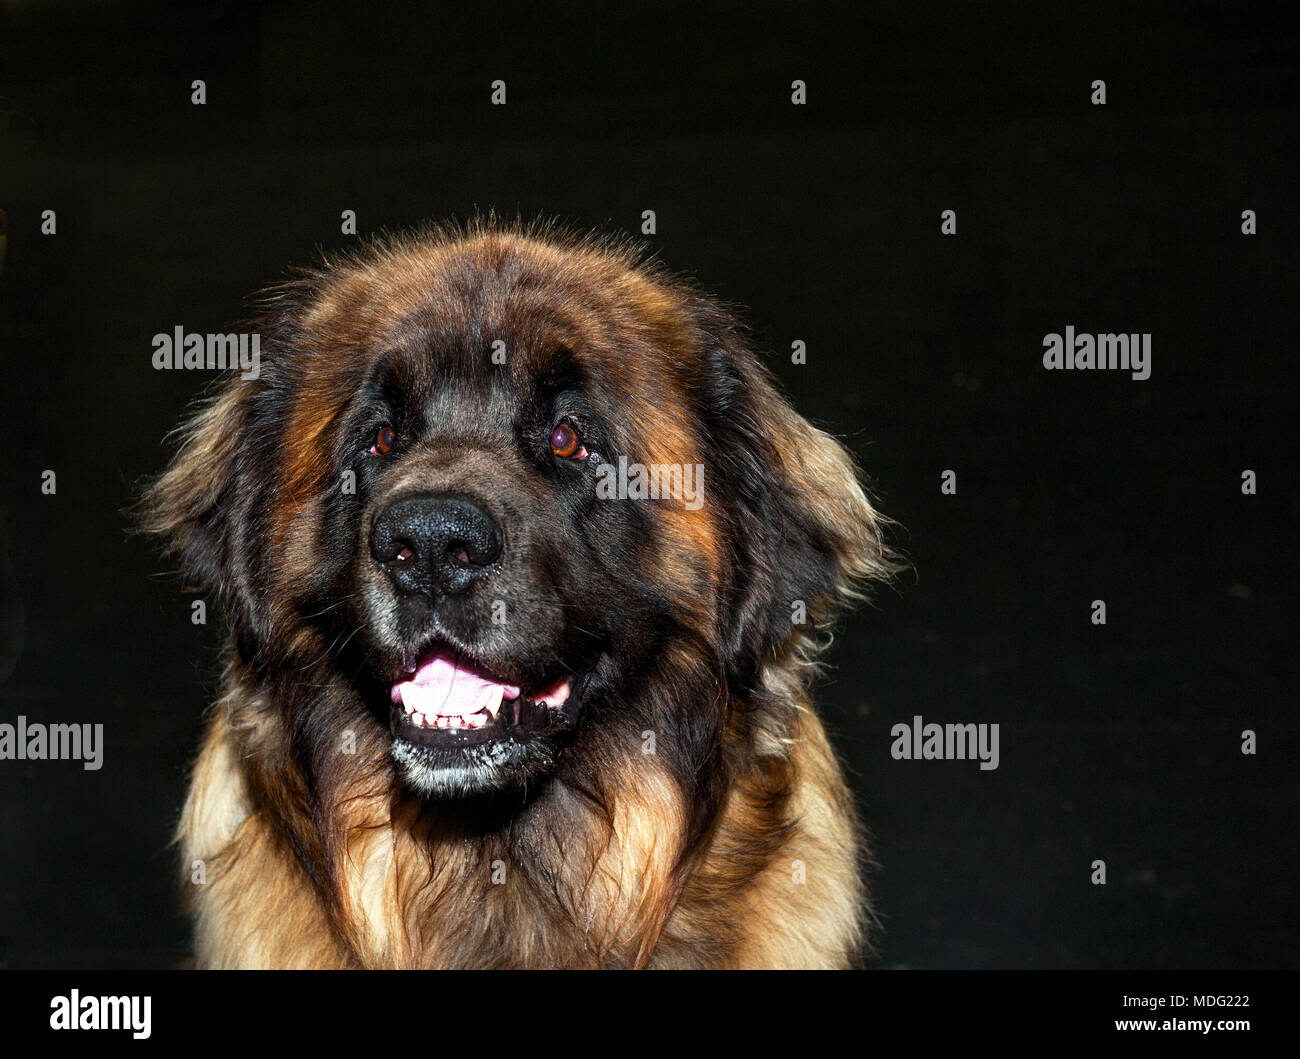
column 1119, row 742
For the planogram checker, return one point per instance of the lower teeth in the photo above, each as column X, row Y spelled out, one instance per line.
column 483, row 718
column 477, row 720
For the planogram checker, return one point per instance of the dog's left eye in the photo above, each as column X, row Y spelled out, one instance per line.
column 385, row 439
column 566, row 443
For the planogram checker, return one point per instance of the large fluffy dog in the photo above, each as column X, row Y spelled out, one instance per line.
column 524, row 560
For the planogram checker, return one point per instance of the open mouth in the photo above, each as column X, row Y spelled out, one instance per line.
column 449, row 701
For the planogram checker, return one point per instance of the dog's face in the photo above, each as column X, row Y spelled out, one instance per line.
column 514, row 499
column 491, row 583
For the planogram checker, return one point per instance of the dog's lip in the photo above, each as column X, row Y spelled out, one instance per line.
column 410, row 658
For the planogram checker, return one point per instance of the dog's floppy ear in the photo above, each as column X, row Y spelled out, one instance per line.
column 804, row 536
column 198, row 506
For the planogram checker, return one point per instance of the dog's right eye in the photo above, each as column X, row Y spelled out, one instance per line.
column 385, row 439
column 566, row 443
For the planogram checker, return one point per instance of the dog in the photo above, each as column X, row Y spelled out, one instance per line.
column 527, row 565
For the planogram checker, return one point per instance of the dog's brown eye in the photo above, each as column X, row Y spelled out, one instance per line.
column 384, row 441
column 566, row 444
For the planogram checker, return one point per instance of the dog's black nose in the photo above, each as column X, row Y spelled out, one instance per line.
column 435, row 544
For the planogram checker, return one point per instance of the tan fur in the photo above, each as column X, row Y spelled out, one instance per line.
column 251, row 905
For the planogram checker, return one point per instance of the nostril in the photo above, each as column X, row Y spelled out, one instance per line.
column 472, row 555
column 405, row 554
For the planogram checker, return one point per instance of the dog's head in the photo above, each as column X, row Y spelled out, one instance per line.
column 522, row 497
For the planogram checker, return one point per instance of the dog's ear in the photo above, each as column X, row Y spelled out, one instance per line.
column 804, row 536
column 208, row 507
column 198, row 506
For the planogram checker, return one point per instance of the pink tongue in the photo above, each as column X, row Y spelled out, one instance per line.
column 442, row 688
